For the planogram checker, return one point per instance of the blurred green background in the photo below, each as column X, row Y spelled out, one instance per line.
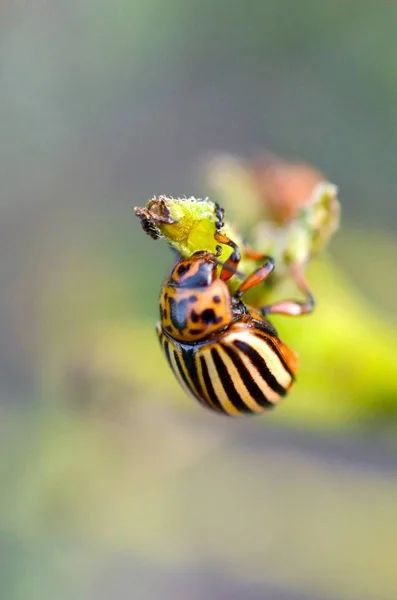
column 113, row 484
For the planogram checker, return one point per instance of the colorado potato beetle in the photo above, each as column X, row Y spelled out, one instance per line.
column 225, row 354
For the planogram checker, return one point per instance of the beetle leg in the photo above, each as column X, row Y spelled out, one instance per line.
column 219, row 213
column 257, row 276
column 293, row 308
column 230, row 266
column 252, row 254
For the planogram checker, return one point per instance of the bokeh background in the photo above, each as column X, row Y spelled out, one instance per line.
column 113, row 484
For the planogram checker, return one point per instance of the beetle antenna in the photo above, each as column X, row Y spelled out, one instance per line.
column 230, row 269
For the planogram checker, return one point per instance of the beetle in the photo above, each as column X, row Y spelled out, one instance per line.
column 225, row 354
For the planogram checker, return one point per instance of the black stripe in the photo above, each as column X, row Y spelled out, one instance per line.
column 273, row 346
column 166, row 347
column 210, row 388
column 178, row 313
column 188, row 357
column 228, row 384
column 201, row 278
column 160, row 338
column 261, row 366
column 165, row 344
column 252, row 387
column 182, row 373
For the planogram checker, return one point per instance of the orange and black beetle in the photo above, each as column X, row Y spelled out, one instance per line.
column 226, row 355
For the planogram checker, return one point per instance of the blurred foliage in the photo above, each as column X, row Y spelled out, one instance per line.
column 114, row 484
column 99, row 486
column 287, row 209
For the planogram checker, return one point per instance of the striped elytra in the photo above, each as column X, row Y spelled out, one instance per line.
column 222, row 353
column 242, row 371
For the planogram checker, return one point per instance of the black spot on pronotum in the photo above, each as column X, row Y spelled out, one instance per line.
column 201, row 278
column 194, row 316
column 193, row 299
column 178, row 313
column 208, row 317
column 183, row 269
column 216, row 299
